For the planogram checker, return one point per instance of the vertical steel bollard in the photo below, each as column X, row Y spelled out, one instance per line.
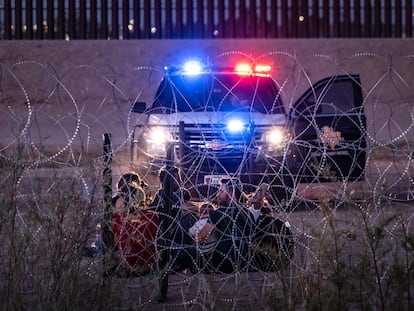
column 165, row 224
column 107, row 234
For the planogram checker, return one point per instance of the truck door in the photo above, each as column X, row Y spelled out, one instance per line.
column 328, row 125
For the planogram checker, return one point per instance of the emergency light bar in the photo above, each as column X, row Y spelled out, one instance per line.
column 244, row 69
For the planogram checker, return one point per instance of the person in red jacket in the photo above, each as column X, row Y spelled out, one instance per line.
column 135, row 227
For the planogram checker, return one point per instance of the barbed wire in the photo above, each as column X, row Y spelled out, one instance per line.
column 51, row 155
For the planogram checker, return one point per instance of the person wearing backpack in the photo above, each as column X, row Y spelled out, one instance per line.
column 232, row 226
column 134, row 226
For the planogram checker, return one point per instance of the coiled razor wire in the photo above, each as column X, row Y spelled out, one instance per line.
column 51, row 161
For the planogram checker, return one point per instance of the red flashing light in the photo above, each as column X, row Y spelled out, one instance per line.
column 259, row 69
column 244, row 69
column 263, row 68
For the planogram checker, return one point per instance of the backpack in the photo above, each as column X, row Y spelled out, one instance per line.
column 135, row 236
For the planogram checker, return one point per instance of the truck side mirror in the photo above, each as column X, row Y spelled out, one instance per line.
column 139, row 107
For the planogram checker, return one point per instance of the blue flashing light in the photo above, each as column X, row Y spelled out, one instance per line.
column 192, row 68
column 235, row 126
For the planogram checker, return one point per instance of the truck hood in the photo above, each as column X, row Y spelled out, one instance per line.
column 216, row 118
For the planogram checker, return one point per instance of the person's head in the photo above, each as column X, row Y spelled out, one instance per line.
column 230, row 191
column 139, row 197
column 129, row 187
column 175, row 174
column 128, row 183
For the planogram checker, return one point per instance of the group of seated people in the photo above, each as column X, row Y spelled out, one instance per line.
column 232, row 233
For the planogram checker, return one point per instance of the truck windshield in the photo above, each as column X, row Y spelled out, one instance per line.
column 217, row 92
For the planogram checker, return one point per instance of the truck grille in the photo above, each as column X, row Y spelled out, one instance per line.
column 216, row 137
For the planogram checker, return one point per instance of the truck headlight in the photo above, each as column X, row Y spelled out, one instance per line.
column 275, row 137
column 157, row 139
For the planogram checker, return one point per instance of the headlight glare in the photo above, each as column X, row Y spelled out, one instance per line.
column 158, row 136
column 156, row 139
column 275, row 137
